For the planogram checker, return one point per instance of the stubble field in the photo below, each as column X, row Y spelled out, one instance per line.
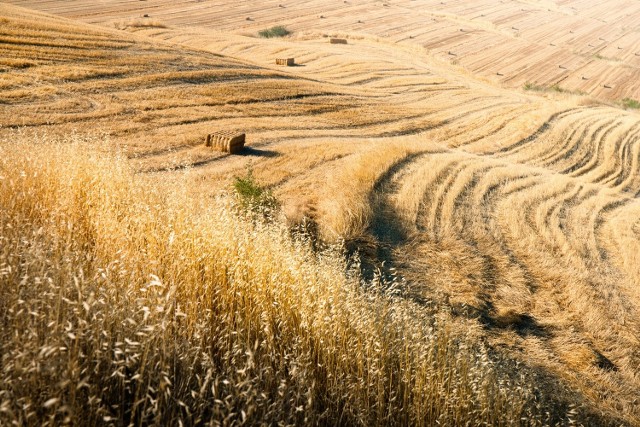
column 513, row 214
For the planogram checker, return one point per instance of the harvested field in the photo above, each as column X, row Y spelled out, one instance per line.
column 511, row 213
column 523, row 41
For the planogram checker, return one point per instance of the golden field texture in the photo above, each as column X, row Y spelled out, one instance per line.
column 581, row 45
column 498, row 230
column 203, row 316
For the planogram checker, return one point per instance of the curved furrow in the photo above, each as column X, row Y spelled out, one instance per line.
column 493, row 123
column 359, row 79
column 593, row 151
column 436, row 177
column 310, row 168
column 568, row 196
column 449, row 109
column 597, row 147
column 480, row 196
column 591, row 284
column 470, row 221
column 384, row 80
column 435, row 220
column 536, row 211
column 556, row 215
column 600, row 218
column 473, row 199
column 549, row 149
column 631, row 182
column 464, row 123
column 606, row 158
column 460, row 203
column 319, row 124
column 620, row 157
column 386, row 225
column 627, row 172
column 510, row 268
column 620, row 234
column 543, row 129
column 469, row 118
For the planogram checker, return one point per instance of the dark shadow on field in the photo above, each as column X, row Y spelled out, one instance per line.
column 250, row 151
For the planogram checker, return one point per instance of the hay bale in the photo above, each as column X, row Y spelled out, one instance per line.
column 289, row 62
column 338, row 41
column 229, row 142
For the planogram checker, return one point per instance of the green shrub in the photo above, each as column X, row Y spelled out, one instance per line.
column 631, row 103
column 252, row 195
column 277, row 31
column 554, row 88
column 530, row 86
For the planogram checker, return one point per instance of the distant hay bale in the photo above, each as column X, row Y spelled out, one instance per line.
column 229, row 142
column 338, row 41
column 289, row 62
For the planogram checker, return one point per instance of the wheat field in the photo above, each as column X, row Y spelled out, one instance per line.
column 449, row 245
column 581, row 45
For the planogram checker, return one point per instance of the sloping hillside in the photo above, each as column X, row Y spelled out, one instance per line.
column 579, row 45
column 515, row 212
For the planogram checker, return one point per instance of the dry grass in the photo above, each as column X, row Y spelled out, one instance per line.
column 510, row 215
column 345, row 208
column 125, row 301
column 584, row 45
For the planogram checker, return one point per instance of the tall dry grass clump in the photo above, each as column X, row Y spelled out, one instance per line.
column 124, row 301
column 346, row 208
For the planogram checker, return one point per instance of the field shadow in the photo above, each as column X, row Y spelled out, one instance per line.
column 522, row 324
column 250, row 151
